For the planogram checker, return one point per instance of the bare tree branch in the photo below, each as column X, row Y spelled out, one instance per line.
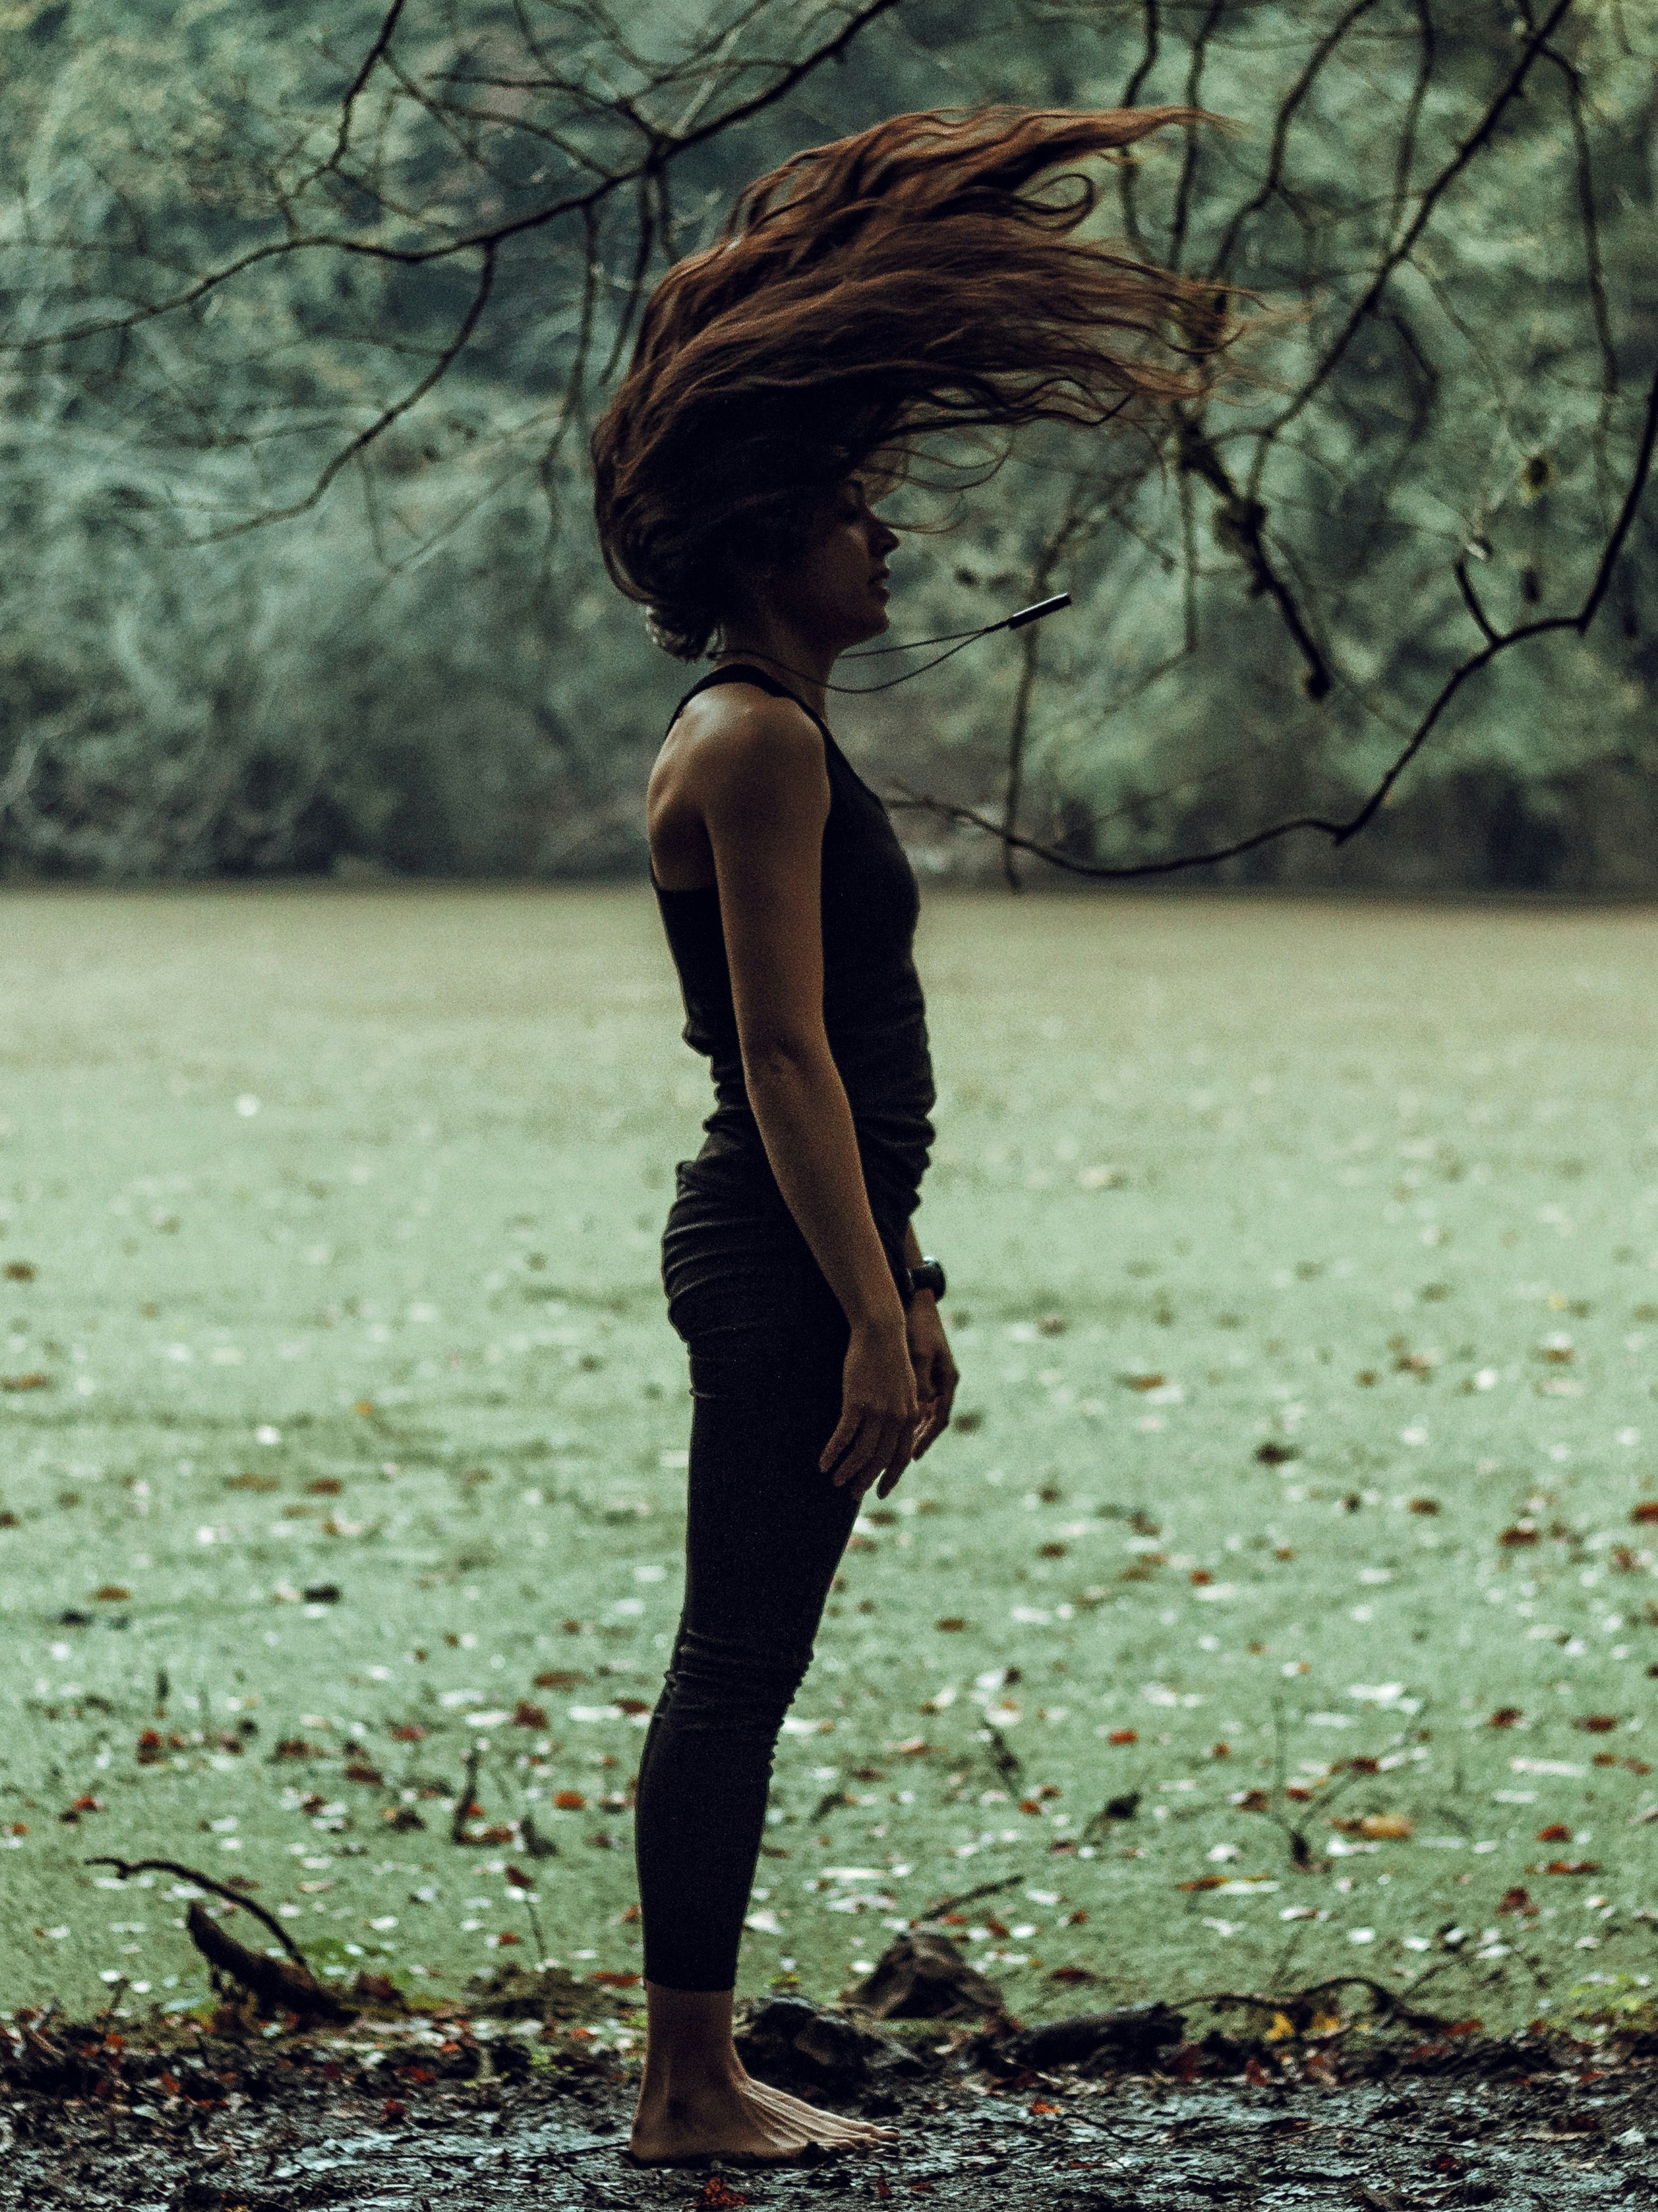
column 1339, row 832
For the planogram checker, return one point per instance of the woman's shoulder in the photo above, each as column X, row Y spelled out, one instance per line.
column 742, row 710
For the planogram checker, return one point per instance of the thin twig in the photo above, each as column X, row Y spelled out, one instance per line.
column 965, row 1897
column 127, row 1868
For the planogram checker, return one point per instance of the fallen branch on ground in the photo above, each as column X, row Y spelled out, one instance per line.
column 127, row 1868
column 277, row 1982
column 290, row 1983
column 1300, row 2007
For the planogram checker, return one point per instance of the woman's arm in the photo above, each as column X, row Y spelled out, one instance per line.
column 936, row 1372
column 765, row 798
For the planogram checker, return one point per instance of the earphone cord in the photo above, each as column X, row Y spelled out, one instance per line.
column 915, row 644
column 964, row 638
column 957, row 640
column 937, row 660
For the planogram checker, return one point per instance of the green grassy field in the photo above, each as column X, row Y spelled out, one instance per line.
column 1304, row 1283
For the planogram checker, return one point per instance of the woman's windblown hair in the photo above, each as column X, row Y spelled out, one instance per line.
column 901, row 282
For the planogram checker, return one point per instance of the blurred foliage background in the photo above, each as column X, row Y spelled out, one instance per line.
column 305, row 310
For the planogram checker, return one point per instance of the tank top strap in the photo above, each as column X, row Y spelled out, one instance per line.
column 744, row 671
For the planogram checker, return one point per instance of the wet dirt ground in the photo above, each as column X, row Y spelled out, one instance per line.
column 216, row 2123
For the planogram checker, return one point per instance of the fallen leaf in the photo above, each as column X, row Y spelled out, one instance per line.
column 718, row 2196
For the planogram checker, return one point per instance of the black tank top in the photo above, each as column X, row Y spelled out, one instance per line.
column 873, row 1009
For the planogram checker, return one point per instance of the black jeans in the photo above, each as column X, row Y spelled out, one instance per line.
column 765, row 1531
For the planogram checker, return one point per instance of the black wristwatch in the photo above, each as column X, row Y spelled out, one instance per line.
column 929, row 1276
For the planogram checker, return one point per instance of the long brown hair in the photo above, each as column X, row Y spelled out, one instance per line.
column 898, row 283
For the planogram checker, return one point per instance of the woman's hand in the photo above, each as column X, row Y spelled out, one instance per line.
column 936, row 1372
column 880, row 1411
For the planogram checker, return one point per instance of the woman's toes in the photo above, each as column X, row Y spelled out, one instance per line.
column 828, row 2128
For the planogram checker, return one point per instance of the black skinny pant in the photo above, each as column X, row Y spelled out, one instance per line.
column 765, row 1531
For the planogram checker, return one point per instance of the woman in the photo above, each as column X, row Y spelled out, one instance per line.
column 896, row 283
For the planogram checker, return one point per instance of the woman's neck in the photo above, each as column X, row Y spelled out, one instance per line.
column 778, row 648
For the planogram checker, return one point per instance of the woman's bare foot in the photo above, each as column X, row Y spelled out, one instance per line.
column 739, row 2118
column 698, row 2100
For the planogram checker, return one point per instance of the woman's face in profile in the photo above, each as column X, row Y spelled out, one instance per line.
column 836, row 593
